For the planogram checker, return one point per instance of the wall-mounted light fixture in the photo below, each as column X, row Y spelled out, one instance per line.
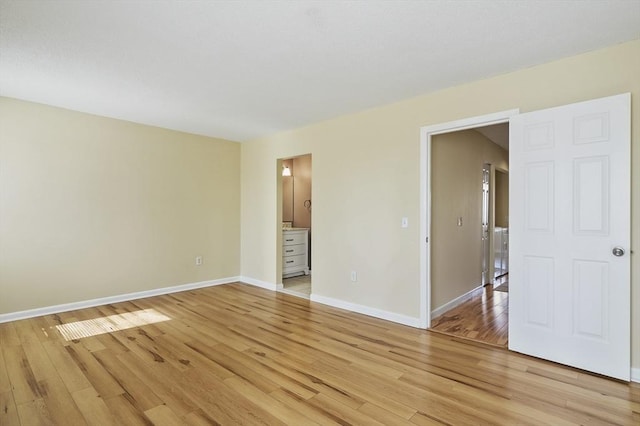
column 286, row 171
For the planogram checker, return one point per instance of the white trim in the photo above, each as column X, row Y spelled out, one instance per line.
column 635, row 375
column 372, row 312
column 259, row 283
column 452, row 303
column 471, row 122
column 48, row 310
column 425, row 228
column 425, row 195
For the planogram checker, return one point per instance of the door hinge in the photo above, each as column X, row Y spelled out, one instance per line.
column 427, row 240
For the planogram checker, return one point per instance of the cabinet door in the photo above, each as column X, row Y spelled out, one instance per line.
column 294, row 250
column 291, row 238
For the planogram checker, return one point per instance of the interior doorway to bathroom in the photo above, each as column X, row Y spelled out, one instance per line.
column 296, row 226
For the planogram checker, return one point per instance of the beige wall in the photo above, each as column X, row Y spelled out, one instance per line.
column 93, row 207
column 456, row 192
column 366, row 178
column 502, row 199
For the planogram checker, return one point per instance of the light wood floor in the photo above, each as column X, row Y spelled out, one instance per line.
column 236, row 354
column 483, row 317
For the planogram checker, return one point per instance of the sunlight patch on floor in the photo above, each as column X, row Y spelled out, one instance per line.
column 111, row 323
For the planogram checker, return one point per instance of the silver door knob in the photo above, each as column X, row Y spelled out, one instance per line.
column 618, row 251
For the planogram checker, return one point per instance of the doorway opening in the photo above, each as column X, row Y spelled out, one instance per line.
column 563, row 255
column 463, row 295
column 296, row 226
column 501, row 230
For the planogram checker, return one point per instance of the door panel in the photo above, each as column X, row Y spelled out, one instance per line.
column 591, row 287
column 569, row 295
column 539, row 196
column 591, row 195
column 538, row 286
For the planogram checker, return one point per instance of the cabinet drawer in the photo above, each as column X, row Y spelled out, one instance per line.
column 292, row 261
column 294, row 250
column 290, row 238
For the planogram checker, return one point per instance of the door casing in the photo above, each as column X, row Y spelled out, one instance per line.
column 426, row 133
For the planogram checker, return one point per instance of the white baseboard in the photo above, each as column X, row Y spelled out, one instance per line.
column 452, row 304
column 366, row 310
column 259, row 283
column 48, row 310
column 635, row 375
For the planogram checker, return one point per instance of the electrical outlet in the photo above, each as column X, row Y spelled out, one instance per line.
column 405, row 222
column 354, row 276
column 198, row 260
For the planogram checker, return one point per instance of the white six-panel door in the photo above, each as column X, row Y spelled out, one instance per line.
column 569, row 193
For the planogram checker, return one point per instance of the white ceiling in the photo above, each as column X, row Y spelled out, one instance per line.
column 243, row 69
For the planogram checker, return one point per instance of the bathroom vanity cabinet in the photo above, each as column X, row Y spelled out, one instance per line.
column 295, row 249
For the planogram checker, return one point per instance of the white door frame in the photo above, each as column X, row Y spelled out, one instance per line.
column 279, row 214
column 426, row 133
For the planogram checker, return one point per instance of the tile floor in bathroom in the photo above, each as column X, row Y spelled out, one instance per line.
column 298, row 286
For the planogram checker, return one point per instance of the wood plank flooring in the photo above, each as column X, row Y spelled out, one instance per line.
column 237, row 354
column 483, row 317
